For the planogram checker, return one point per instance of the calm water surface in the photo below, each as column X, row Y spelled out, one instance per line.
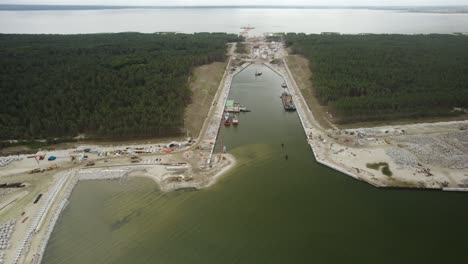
column 230, row 20
column 267, row 210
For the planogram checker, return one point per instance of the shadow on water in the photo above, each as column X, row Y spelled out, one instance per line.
column 125, row 220
column 186, row 189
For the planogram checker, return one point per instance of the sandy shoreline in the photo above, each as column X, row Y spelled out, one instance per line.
column 31, row 248
column 117, row 175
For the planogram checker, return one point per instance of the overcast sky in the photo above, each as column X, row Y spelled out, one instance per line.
column 241, row 2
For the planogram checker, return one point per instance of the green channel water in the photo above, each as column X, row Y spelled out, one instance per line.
column 266, row 210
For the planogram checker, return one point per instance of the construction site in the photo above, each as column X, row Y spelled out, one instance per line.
column 421, row 155
column 34, row 189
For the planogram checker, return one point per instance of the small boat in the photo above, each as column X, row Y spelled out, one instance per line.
column 227, row 122
column 284, row 85
column 226, row 116
column 242, row 108
column 248, row 27
column 235, row 121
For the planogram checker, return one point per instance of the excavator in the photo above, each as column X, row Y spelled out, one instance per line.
column 37, row 157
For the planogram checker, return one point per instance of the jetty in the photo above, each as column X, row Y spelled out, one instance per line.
column 232, row 107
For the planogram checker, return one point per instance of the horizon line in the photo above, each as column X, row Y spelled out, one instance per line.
column 244, row 5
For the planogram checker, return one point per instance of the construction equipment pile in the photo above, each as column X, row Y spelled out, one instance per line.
column 4, row 161
column 6, row 230
column 446, row 150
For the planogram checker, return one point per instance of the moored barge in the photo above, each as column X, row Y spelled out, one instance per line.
column 288, row 102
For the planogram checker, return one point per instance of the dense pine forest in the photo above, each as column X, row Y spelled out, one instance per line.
column 382, row 77
column 109, row 85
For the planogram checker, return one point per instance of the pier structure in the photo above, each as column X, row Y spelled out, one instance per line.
column 313, row 130
column 214, row 126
